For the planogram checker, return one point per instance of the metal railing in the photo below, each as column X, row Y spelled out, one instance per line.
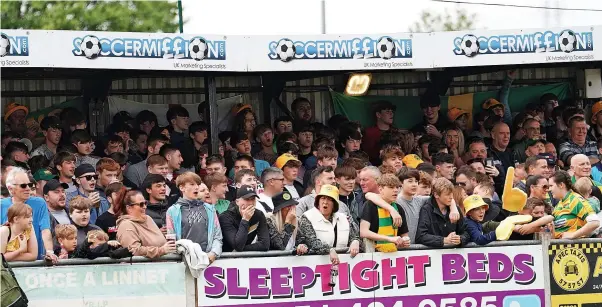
column 273, row 253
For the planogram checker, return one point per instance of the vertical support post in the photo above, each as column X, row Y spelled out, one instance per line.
column 180, row 17
column 323, row 16
column 546, row 239
column 211, row 100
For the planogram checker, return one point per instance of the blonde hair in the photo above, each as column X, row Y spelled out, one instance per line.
column 442, row 185
column 65, row 231
column 460, row 139
column 583, row 186
column 18, row 210
column 98, row 234
column 79, row 203
column 459, row 195
column 188, row 177
column 388, row 180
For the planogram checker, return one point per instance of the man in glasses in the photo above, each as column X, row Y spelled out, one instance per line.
column 537, row 186
column 273, row 183
column 19, row 187
column 466, row 178
column 85, row 180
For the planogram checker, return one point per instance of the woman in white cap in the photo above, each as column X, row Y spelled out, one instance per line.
column 323, row 230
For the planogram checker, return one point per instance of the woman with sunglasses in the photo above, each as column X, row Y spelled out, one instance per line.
column 138, row 232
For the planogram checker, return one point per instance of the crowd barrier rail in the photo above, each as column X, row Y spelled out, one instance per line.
column 544, row 272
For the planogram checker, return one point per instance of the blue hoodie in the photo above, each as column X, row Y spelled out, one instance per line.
column 475, row 230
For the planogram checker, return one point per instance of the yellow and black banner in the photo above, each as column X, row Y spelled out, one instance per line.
column 576, row 274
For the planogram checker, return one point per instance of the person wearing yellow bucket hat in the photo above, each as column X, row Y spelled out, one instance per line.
column 14, row 117
column 323, row 229
column 458, row 117
column 475, row 208
column 290, row 166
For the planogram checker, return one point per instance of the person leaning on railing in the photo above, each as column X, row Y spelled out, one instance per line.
column 574, row 218
column 138, row 232
column 323, row 229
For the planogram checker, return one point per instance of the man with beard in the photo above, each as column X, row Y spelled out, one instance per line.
column 56, row 199
column 384, row 112
column 466, row 178
column 64, row 163
column 51, row 128
column 85, row 179
column 577, row 142
column 264, row 137
column 302, row 109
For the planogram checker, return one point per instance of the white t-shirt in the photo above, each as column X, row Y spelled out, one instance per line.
column 61, row 216
column 266, row 200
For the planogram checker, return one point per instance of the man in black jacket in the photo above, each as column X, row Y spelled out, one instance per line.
column 243, row 227
column 435, row 228
column 155, row 187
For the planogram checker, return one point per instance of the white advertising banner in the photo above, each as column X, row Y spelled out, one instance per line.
column 514, row 47
column 123, row 50
column 393, row 51
column 340, row 52
column 470, row 277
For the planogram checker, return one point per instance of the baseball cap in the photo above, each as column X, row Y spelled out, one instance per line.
column 490, row 103
column 54, row 184
column 84, row 169
column 43, row 174
column 245, row 192
column 14, row 107
column 549, row 158
column 429, row 100
column 284, row 159
column 50, row 122
column 454, row 113
column 596, row 108
column 282, row 200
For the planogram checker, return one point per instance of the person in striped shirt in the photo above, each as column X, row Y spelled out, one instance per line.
column 573, row 216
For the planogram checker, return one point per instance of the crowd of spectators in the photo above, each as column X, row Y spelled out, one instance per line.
column 297, row 185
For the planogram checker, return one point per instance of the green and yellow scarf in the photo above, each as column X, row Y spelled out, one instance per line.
column 386, row 228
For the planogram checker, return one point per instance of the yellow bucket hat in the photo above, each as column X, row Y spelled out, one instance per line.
column 513, row 199
column 473, row 202
column 329, row 191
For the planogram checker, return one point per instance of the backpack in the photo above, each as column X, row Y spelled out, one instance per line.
column 11, row 293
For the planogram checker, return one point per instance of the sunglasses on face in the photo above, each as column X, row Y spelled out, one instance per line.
column 141, row 204
column 90, row 177
column 31, row 185
column 545, row 186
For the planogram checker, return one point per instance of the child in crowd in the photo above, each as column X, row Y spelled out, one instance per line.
column 19, row 241
column 79, row 212
column 584, row 186
column 424, row 184
column 475, row 209
column 66, row 235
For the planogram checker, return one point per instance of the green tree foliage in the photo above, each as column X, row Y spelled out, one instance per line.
column 126, row 16
column 458, row 20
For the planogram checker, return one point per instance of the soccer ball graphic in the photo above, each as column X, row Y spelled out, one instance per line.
column 286, row 50
column 4, row 44
column 198, row 48
column 91, row 47
column 470, row 45
column 567, row 41
column 385, row 48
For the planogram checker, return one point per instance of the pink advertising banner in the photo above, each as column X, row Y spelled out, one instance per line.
column 471, row 277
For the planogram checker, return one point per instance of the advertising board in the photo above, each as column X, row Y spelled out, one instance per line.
column 109, row 285
column 484, row 277
column 576, row 274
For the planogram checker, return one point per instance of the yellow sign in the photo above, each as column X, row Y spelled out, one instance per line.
column 570, row 269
